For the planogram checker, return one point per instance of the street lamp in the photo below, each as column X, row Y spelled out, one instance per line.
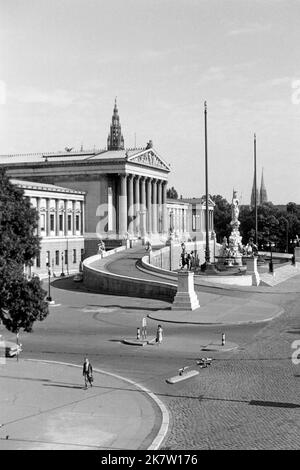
column 171, row 224
column 213, row 237
column 207, row 253
column 62, row 265
column 49, row 298
column 294, row 243
column 271, row 245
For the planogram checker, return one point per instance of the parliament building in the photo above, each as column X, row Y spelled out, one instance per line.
column 114, row 194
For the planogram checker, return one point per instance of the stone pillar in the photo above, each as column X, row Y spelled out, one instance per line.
column 186, row 297
column 159, row 205
column 149, row 205
column 38, row 206
column 143, row 207
column 123, row 206
column 154, row 206
column 130, row 205
column 252, row 270
column 56, row 217
column 137, row 206
column 164, row 208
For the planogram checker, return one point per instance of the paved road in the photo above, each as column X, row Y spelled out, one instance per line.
column 246, row 399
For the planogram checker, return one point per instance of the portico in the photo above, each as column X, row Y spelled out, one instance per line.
column 125, row 189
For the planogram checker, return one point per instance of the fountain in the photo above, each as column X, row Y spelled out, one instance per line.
column 232, row 251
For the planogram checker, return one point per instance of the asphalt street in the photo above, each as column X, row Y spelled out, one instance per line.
column 247, row 398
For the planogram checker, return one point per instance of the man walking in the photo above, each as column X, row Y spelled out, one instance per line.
column 87, row 372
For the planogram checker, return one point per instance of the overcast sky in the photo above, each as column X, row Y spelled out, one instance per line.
column 62, row 62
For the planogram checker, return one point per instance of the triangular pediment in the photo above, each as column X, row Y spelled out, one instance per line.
column 149, row 157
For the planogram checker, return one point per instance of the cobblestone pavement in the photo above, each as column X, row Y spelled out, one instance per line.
column 247, row 399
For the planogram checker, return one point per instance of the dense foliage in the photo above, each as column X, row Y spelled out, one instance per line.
column 172, row 193
column 21, row 300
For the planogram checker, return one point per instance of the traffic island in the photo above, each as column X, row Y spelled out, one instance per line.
column 183, row 374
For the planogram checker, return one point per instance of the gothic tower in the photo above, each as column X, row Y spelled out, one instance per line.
column 115, row 140
column 263, row 198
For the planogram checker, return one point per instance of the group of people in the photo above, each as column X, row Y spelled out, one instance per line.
column 187, row 259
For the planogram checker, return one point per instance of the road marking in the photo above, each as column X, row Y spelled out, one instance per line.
column 156, row 443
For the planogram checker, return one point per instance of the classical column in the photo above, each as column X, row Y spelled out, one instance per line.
column 123, row 206
column 143, row 207
column 137, row 206
column 65, row 218
column 159, row 205
column 38, row 206
column 82, row 225
column 149, row 205
column 154, row 206
column 47, row 217
column 164, row 208
column 130, row 205
column 57, row 217
column 73, row 218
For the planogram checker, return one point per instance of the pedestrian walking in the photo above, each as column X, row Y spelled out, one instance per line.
column 87, row 372
column 159, row 335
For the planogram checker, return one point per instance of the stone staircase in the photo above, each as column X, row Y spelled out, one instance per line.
column 281, row 274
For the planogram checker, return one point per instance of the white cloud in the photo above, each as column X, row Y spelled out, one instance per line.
column 250, row 29
column 55, row 98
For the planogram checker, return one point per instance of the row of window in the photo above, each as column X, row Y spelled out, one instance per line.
column 60, row 258
column 60, row 222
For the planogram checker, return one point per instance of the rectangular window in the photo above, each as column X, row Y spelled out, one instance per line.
column 81, row 254
column 77, row 223
column 74, row 256
column 38, row 260
column 52, row 222
column 69, row 222
column 43, row 221
column 60, row 222
column 57, row 258
column 48, row 259
column 66, row 256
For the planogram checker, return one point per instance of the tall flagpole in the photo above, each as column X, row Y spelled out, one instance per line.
column 207, row 254
column 255, row 191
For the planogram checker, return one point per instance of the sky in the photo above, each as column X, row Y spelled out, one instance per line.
column 63, row 62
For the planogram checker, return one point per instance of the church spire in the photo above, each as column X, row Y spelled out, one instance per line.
column 115, row 140
column 263, row 192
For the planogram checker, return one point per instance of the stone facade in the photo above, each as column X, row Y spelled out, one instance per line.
column 60, row 226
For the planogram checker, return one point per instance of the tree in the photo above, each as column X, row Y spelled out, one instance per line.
column 222, row 217
column 21, row 300
column 172, row 193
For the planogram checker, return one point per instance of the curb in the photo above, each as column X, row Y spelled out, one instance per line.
column 229, row 323
column 157, row 441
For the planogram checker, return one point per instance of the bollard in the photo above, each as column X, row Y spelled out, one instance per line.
column 138, row 334
column 223, row 339
column 144, row 329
